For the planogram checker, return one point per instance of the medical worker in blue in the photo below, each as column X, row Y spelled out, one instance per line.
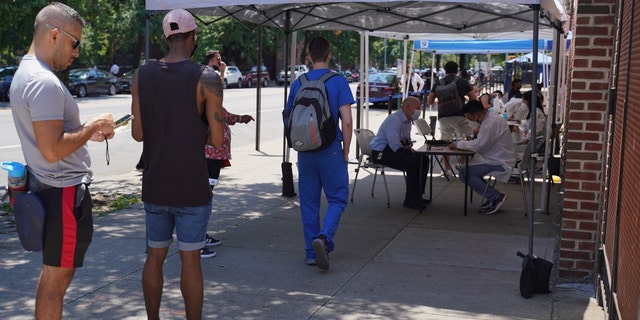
column 325, row 169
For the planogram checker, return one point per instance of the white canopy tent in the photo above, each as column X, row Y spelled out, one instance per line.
column 420, row 19
column 464, row 18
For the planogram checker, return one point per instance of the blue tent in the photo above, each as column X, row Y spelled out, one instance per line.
column 521, row 67
column 480, row 46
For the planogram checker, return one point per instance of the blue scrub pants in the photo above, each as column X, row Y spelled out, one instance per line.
column 322, row 170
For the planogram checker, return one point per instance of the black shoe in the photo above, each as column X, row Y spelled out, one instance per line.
column 211, row 241
column 207, row 253
column 413, row 204
column 495, row 205
column 322, row 256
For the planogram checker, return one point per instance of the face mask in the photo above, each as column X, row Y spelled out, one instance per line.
column 416, row 115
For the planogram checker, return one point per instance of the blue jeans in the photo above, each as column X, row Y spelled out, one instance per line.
column 476, row 179
column 322, row 170
column 190, row 224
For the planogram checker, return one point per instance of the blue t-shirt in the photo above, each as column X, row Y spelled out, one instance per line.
column 338, row 93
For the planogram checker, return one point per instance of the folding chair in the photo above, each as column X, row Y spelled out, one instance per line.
column 493, row 178
column 425, row 130
column 524, row 167
column 364, row 137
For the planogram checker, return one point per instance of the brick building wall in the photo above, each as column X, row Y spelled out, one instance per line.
column 590, row 63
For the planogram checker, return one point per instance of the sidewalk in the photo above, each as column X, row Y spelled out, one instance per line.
column 389, row 263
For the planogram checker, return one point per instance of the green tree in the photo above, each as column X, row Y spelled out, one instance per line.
column 17, row 28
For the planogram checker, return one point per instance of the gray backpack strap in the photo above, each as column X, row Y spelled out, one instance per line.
column 327, row 76
column 303, row 79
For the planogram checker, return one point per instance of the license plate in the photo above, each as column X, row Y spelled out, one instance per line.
column 373, row 89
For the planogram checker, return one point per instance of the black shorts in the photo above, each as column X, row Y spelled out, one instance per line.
column 68, row 226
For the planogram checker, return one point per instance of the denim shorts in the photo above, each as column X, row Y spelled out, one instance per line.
column 190, row 224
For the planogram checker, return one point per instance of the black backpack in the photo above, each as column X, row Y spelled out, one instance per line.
column 449, row 102
column 309, row 124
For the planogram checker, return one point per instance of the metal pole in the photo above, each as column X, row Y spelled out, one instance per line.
column 259, row 98
column 532, row 122
column 385, row 53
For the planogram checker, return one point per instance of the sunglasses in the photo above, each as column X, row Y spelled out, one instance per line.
column 76, row 42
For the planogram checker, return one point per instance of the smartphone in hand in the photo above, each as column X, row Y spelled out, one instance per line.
column 123, row 121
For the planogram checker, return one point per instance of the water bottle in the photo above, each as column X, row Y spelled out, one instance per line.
column 17, row 181
column 504, row 116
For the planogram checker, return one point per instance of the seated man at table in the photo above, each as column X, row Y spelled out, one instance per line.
column 494, row 153
column 392, row 147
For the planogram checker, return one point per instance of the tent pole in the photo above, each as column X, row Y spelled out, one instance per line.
column 284, row 105
column 259, row 96
column 532, row 121
column 405, row 64
column 294, row 54
column 433, row 119
column 551, row 125
column 360, row 102
column 366, row 79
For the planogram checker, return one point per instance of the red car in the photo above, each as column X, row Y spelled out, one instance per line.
column 381, row 86
column 250, row 78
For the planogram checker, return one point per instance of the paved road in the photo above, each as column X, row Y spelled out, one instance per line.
column 124, row 151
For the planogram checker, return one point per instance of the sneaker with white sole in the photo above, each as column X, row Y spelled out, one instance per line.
column 211, row 241
column 495, row 205
column 207, row 253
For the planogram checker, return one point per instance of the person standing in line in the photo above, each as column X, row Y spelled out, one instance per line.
column 214, row 60
column 217, row 158
column 325, row 169
column 54, row 145
column 175, row 188
column 456, row 122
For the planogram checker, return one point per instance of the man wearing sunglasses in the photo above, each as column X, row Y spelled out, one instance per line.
column 54, row 146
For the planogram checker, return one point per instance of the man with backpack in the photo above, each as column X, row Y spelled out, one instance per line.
column 450, row 101
column 322, row 154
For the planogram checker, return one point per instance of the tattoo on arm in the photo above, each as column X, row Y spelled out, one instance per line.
column 218, row 118
column 211, row 82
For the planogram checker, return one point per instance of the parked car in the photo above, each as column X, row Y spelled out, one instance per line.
column 251, row 78
column 299, row 70
column 381, row 86
column 347, row 75
column 355, row 75
column 90, row 81
column 124, row 82
column 6, row 76
column 232, row 77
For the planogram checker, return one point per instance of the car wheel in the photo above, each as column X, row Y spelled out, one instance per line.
column 82, row 91
column 239, row 83
column 265, row 83
column 249, row 84
column 112, row 89
column 225, row 84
